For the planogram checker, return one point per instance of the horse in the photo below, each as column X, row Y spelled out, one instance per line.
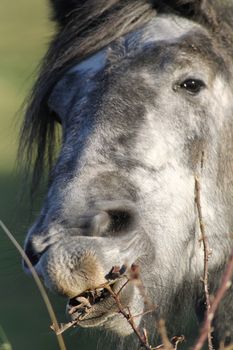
column 142, row 91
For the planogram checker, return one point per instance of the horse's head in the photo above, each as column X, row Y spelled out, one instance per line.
column 145, row 102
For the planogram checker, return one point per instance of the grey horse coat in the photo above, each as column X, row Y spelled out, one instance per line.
column 143, row 93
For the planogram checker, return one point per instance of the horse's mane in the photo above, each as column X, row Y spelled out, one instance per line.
column 224, row 9
column 84, row 27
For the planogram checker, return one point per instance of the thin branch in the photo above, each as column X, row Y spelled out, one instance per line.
column 62, row 327
column 229, row 347
column 124, row 285
column 128, row 316
column 206, row 255
column 143, row 313
column 143, row 337
column 224, row 286
column 167, row 345
column 175, row 341
column 37, row 281
column 4, row 339
column 223, row 347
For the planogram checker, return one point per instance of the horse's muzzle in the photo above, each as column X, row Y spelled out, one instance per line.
column 73, row 259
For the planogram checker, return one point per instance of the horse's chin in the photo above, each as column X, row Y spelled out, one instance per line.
column 106, row 313
column 115, row 323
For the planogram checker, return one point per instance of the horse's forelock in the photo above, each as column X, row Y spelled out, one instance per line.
column 81, row 37
column 64, row 10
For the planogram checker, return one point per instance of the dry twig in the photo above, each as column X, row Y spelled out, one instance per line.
column 126, row 313
column 229, row 347
column 207, row 254
column 143, row 335
column 37, row 281
column 224, row 286
column 223, row 347
column 62, row 327
column 175, row 341
column 167, row 345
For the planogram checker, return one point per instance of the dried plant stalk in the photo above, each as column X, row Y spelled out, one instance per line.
column 225, row 285
column 206, row 255
column 143, row 339
column 167, row 345
column 229, row 347
column 37, row 281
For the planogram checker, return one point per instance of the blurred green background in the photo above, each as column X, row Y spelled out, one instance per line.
column 24, row 34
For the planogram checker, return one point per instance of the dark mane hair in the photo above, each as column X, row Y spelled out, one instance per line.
column 84, row 27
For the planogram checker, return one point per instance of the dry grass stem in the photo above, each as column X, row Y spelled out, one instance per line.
column 126, row 313
column 229, row 347
column 223, row 347
column 224, row 286
column 207, row 254
column 37, row 281
column 175, row 341
column 167, row 345
column 144, row 313
column 4, row 342
column 62, row 327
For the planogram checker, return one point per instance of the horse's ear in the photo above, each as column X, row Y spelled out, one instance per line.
column 194, row 9
column 200, row 10
column 62, row 9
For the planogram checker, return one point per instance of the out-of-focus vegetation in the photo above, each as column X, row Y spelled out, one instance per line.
column 24, row 34
column 4, row 342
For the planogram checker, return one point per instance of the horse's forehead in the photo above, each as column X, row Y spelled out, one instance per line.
column 168, row 29
column 163, row 29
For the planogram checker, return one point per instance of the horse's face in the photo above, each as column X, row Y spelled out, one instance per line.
column 136, row 117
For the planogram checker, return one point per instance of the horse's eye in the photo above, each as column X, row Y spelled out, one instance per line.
column 192, row 86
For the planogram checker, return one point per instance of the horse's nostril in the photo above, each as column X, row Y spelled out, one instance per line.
column 109, row 217
column 121, row 220
column 122, row 214
column 31, row 254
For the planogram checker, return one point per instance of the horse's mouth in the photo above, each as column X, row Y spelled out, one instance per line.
column 106, row 304
column 93, row 307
